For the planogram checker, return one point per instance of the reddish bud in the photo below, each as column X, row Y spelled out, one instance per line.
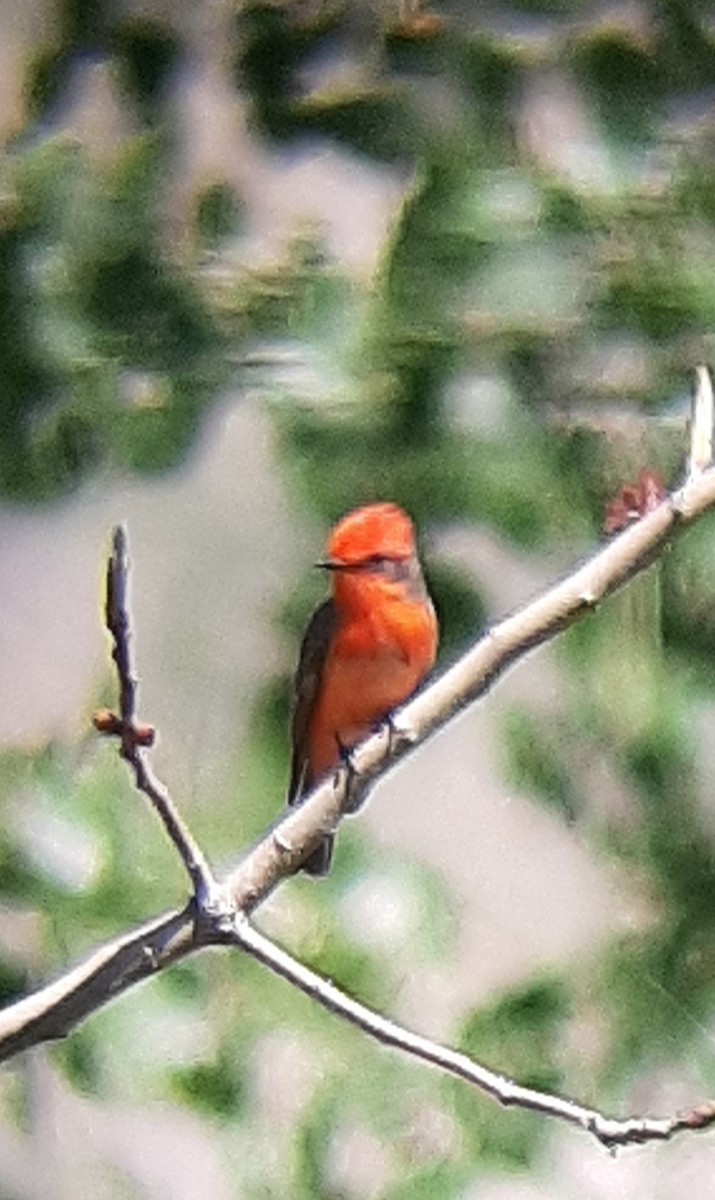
column 635, row 500
column 107, row 722
column 418, row 27
column 144, row 735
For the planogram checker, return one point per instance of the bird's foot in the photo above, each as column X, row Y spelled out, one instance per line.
column 399, row 735
column 352, row 776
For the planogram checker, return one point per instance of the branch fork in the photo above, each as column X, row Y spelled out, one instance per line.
column 218, row 912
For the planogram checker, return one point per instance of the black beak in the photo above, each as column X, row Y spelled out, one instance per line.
column 332, row 564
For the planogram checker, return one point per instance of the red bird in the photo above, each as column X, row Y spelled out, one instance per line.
column 365, row 650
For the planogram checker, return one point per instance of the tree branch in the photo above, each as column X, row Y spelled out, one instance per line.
column 223, row 909
column 134, row 736
column 610, row 1131
column 464, row 682
column 56, row 1009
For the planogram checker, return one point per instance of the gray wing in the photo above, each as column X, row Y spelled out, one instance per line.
column 308, row 678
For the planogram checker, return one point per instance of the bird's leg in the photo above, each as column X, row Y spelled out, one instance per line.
column 352, row 790
column 399, row 736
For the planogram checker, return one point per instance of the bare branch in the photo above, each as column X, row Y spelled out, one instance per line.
column 57, row 1008
column 464, row 682
column 135, row 737
column 610, row 1131
column 701, row 428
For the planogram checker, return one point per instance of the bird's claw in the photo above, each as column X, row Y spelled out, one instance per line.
column 352, row 776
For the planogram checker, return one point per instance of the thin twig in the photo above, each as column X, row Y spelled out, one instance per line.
column 701, row 426
column 610, row 1131
column 135, row 737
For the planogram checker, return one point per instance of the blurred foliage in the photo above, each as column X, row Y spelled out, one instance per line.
column 518, row 1036
column 108, row 354
column 537, row 750
column 521, row 352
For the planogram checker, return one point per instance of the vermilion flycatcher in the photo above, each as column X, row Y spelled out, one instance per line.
column 365, row 650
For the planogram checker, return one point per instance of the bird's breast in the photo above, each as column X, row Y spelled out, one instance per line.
column 374, row 664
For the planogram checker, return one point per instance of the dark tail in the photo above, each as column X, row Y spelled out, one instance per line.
column 319, row 860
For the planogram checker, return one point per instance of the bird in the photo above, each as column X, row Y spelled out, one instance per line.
column 365, row 650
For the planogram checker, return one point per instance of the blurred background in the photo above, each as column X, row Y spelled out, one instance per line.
column 261, row 262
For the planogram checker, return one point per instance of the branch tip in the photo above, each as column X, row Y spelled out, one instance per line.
column 136, row 736
column 611, row 1132
column 701, row 431
column 699, row 1117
